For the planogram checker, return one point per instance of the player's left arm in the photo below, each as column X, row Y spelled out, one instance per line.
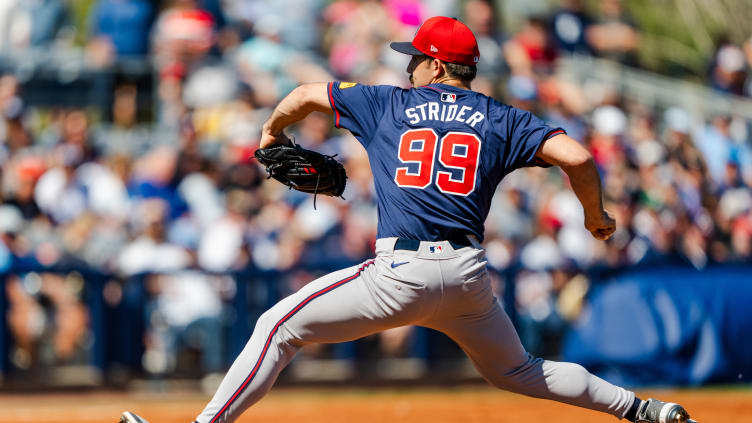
column 563, row 151
column 294, row 107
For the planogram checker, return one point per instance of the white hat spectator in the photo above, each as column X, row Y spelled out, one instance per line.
column 11, row 219
column 312, row 225
column 186, row 297
column 107, row 195
column 57, row 196
column 567, row 208
column 202, row 197
column 541, row 253
column 734, row 202
column 731, row 58
column 677, row 119
column 210, row 86
column 649, row 153
column 577, row 244
column 609, row 120
column 220, row 246
column 145, row 255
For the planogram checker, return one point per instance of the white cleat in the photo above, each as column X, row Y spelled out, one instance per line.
column 128, row 417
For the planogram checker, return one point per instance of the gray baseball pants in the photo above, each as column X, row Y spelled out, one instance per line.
column 437, row 287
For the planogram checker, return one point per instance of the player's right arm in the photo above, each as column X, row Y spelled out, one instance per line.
column 563, row 151
column 294, row 107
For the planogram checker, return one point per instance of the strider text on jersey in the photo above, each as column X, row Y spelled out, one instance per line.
column 443, row 113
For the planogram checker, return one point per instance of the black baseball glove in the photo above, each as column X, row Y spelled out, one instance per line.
column 304, row 170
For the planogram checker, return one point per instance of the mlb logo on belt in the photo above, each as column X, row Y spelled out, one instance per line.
column 448, row 97
column 435, row 249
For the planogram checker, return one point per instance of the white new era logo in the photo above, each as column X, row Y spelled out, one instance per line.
column 434, row 49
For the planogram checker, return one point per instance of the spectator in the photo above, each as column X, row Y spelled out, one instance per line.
column 609, row 124
column 19, row 184
column 480, row 16
column 183, row 34
column 531, row 50
column 16, row 136
column 30, row 325
column 358, row 31
column 25, row 24
column 728, row 70
column 715, row 144
column 222, row 246
column 58, row 192
column 153, row 176
column 150, row 251
column 122, row 27
column 187, row 310
column 183, row 37
column 614, row 35
column 301, row 29
column 570, row 25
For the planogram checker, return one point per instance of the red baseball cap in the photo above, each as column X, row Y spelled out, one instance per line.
column 446, row 39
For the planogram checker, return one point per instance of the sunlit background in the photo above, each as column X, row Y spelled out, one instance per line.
column 138, row 243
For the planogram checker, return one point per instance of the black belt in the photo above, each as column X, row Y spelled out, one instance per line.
column 414, row 244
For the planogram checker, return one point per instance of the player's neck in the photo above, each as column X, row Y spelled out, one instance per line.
column 452, row 81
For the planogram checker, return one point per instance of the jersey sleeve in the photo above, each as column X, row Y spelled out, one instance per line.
column 525, row 133
column 359, row 108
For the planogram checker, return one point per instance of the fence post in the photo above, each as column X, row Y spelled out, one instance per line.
column 94, row 285
column 131, row 323
column 4, row 332
column 239, row 330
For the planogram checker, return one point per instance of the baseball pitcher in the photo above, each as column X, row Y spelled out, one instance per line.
column 437, row 152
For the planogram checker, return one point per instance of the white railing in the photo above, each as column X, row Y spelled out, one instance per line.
column 653, row 89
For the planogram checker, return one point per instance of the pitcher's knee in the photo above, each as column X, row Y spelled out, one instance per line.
column 272, row 335
column 517, row 378
column 568, row 379
column 271, row 318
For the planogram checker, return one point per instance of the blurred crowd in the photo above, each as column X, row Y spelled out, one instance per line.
column 176, row 193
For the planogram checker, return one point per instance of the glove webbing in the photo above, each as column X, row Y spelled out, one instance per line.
column 318, row 178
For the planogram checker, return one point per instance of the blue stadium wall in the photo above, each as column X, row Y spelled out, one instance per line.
column 667, row 326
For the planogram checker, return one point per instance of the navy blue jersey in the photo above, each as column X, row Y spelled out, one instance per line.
column 437, row 153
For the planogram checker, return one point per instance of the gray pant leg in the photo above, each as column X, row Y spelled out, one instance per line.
column 341, row 306
column 478, row 323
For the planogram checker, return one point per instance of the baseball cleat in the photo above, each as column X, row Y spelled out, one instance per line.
column 654, row 411
column 128, row 417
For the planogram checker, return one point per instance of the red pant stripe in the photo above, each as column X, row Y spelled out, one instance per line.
column 274, row 331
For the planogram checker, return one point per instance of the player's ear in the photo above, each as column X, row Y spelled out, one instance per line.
column 437, row 66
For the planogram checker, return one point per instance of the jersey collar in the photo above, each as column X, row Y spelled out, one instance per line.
column 443, row 86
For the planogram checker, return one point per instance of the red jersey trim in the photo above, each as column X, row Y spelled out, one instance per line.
column 433, row 88
column 334, row 107
column 554, row 133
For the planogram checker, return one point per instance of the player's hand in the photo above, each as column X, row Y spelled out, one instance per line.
column 268, row 139
column 601, row 225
